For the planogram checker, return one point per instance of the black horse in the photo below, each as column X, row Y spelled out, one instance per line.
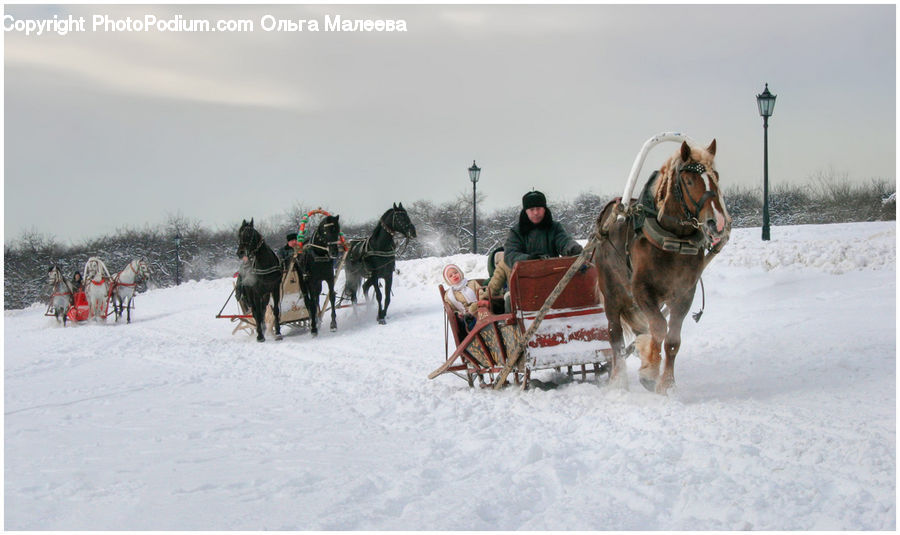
column 315, row 265
column 375, row 257
column 259, row 278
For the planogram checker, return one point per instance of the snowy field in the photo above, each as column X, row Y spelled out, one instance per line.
column 784, row 415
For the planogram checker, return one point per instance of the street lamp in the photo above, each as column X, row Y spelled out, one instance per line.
column 474, row 172
column 766, row 102
column 177, row 259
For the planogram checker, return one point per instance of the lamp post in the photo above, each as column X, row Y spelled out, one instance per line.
column 177, row 259
column 766, row 103
column 474, row 172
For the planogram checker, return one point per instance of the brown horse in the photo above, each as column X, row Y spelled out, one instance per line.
column 651, row 259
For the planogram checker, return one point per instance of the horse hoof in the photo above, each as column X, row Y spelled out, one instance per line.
column 648, row 384
column 278, row 337
column 382, row 322
column 314, row 334
column 333, row 329
column 260, row 339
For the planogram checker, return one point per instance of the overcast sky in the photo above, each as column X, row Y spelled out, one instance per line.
column 106, row 130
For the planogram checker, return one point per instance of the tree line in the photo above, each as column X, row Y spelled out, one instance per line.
column 443, row 229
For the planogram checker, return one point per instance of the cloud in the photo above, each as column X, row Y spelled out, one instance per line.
column 118, row 74
column 191, row 67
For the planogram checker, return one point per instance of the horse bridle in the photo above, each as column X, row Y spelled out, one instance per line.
column 138, row 276
column 251, row 254
column 58, row 278
column 327, row 246
column 395, row 230
column 683, row 198
column 241, row 246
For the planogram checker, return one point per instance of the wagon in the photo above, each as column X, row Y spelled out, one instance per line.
column 571, row 335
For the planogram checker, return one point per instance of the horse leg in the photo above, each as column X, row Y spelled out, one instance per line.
column 617, row 373
column 388, row 281
column 276, row 309
column 258, row 308
column 677, row 311
column 650, row 345
column 130, row 299
column 380, row 318
column 371, row 281
column 331, row 297
column 311, row 298
column 351, row 285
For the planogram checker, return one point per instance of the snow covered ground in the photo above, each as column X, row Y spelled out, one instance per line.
column 784, row 416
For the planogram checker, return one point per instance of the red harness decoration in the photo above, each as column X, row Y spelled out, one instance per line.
column 301, row 234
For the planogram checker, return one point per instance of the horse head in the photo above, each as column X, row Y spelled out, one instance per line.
column 249, row 240
column 141, row 268
column 397, row 220
column 688, row 192
column 328, row 234
column 54, row 275
column 92, row 269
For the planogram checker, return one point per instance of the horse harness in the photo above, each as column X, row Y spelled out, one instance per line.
column 659, row 237
column 324, row 248
column 252, row 256
column 650, row 227
column 360, row 250
column 137, row 275
column 60, row 279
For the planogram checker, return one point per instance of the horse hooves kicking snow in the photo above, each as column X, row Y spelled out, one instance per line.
column 648, row 384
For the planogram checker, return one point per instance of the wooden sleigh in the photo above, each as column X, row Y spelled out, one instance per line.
column 571, row 335
column 293, row 308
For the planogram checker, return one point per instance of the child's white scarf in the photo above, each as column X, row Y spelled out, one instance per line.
column 468, row 294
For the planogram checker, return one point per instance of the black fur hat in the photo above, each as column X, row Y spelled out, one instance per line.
column 533, row 199
column 291, row 236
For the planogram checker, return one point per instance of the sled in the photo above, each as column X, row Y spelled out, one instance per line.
column 293, row 308
column 80, row 310
column 572, row 334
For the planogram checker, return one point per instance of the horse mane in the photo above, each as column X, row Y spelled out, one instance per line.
column 664, row 184
column 101, row 266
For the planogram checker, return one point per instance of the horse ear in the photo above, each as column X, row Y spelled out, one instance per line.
column 401, row 206
column 712, row 148
column 337, row 218
column 251, row 221
column 685, row 151
column 395, row 206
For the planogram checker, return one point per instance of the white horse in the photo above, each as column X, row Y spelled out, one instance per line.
column 61, row 297
column 124, row 283
column 96, row 287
